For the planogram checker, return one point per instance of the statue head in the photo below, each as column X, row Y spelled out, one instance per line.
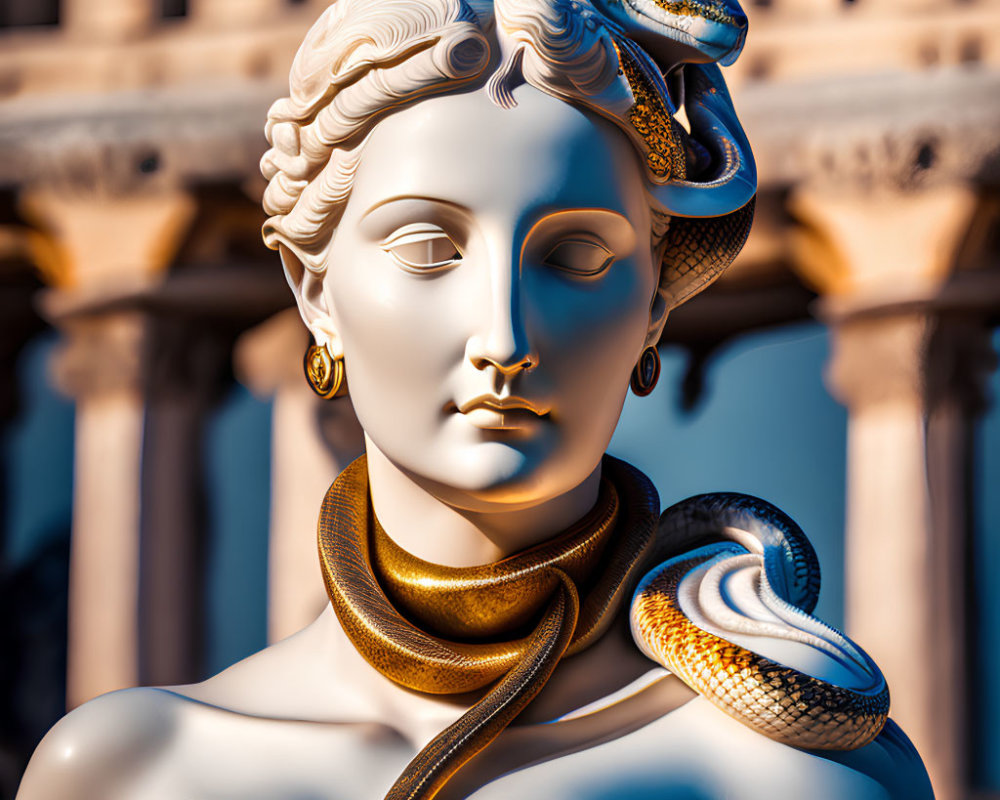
column 488, row 209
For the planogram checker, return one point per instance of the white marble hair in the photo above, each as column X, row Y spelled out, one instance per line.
column 364, row 59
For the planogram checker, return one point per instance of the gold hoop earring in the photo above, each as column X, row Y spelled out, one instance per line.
column 646, row 373
column 325, row 374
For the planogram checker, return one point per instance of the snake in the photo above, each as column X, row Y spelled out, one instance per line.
column 682, row 613
column 502, row 628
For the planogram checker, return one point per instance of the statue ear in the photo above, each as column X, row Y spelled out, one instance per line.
column 307, row 286
column 658, row 313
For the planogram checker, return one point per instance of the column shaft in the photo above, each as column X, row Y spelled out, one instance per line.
column 882, row 260
column 104, row 246
column 312, row 441
column 98, row 364
column 103, row 589
column 304, row 465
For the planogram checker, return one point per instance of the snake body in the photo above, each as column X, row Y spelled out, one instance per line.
column 504, row 627
column 400, row 645
column 683, row 610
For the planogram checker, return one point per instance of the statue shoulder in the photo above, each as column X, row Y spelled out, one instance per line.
column 887, row 768
column 893, row 761
column 95, row 748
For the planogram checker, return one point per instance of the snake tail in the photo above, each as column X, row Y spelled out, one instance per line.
column 431, row 768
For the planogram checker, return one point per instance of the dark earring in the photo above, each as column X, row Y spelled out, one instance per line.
column 646, row 373
column 325, row 374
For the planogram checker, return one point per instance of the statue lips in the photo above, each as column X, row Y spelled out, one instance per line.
column 510, row 413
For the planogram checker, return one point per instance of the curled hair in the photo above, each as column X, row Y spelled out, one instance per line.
column 363, row 59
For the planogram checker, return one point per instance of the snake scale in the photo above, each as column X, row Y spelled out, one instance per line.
column 504, row 627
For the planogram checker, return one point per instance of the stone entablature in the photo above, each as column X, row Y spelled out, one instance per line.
column 895, row 93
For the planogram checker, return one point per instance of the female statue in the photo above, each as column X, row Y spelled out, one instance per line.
column 486, row 211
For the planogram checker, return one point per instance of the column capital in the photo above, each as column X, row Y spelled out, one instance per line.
column 268, row 357
column 877, row 360
column 104, row 239
column 924, row 356
column 108, row 19
column 96, row 248
column 879, row 246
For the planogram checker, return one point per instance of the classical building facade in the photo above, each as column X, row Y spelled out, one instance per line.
column 130, row 132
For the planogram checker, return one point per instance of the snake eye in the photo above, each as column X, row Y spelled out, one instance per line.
column 422, row 249
column 586, row 258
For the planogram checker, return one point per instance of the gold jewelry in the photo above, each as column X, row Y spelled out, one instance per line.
column 646, row 373
column 325, row 374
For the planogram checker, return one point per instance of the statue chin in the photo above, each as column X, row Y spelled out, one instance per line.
column 485, row 218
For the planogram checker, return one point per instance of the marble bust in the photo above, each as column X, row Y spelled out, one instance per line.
column 486, row 212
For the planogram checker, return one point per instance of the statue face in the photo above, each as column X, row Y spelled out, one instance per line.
column 490, row 286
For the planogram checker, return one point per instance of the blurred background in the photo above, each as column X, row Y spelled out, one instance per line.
column 162, row 460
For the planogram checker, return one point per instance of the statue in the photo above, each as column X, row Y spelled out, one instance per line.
column 486, row 211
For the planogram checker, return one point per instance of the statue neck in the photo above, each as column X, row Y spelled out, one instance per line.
column 442, row 532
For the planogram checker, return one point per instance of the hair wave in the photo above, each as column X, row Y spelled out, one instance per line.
column 363, row 59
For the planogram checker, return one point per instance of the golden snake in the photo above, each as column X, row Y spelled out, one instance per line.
column 441, row 630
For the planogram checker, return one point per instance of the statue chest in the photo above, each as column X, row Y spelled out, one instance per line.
column 694, row 751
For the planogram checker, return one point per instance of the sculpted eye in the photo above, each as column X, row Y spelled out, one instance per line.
column 583, row 257
column 422, row 248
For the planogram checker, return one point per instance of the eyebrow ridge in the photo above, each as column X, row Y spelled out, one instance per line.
column 552, row 217
column 415, row 198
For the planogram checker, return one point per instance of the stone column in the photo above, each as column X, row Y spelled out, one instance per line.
column 98, row 365
column 312, row 441
column 900, row 323
column 100, row 249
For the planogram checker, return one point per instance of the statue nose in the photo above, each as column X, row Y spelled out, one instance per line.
column 505, row 366
column 502, row 341
column 505, row 346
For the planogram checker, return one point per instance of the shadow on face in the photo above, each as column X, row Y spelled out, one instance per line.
column 490, row 284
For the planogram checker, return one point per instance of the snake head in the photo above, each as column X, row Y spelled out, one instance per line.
column 681, row 31
column 728, row 178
